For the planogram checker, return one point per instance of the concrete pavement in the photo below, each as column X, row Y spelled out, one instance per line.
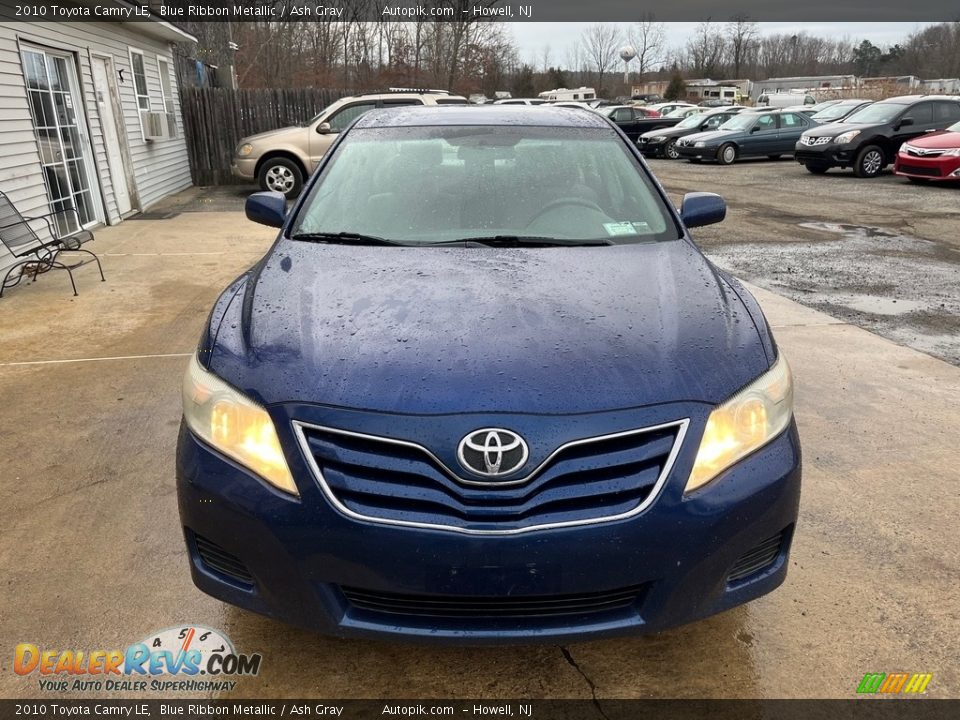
column 92, row 557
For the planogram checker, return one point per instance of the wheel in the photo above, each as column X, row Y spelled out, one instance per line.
column 775, row 156
column 726, row 154
column 670, row 150
column 816, row 169
column 281, row 175
column 869, row 162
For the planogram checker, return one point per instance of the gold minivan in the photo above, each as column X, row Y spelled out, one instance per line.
column 282, row 159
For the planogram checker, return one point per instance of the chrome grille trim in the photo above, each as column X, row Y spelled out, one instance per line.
column 298, row 430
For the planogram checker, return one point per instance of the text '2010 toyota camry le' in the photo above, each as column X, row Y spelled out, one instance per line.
column 485, row 388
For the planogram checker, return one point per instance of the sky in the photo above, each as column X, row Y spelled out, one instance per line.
column 531, row 37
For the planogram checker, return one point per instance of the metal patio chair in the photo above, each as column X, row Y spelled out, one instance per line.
column 36, row 256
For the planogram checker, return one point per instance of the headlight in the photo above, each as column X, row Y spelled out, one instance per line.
column 700, row 144
column 658, row 139
column 955, row 152
column 846, row 137
column 746, row 422
column 244, row 150
column 235, row 425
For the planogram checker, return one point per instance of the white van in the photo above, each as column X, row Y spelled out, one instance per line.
column 787, row 99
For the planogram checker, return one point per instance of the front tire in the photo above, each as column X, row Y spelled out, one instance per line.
column 816, row 169
column 670, row 151
column 870, row 162
column 281, row 175
column 727, row 154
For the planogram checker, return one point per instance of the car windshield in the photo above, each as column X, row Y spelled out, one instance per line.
column 740, row 122
column 833, row 112
column 444, row 184
column 877, row 113
column 690, row 121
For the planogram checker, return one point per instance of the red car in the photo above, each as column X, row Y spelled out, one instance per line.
column 931, row 157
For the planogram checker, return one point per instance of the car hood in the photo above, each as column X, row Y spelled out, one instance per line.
column 839, row 128
column 291, row 130
column 447, row 330
column 713, row 136
column 938, row 140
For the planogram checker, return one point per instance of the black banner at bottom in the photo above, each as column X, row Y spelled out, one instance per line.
column 854, row 709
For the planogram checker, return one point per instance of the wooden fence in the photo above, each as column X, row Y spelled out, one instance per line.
column 215, row 119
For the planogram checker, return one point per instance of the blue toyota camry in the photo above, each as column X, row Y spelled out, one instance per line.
column 485, row 388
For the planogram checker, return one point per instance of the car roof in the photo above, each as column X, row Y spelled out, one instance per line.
column 910, row 99
column 426, row 116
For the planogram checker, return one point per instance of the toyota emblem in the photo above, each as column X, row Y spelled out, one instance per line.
column 492, row 452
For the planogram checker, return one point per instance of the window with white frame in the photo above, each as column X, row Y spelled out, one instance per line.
column 139, row 72
column 166, row 94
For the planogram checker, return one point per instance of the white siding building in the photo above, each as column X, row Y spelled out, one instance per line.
column 89, row 117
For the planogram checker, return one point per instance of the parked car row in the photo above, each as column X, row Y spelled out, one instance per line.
column 918, row 134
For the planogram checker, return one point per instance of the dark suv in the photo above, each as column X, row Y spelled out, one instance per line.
column 869, row 138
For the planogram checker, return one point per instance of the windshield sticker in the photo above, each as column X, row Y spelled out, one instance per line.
column 625, row 228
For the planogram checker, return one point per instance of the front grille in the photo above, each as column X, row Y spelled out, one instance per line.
column 756, row 559
column 919, row 170
column 517, row 607
column 376, row 479
column 218, row 559
column 813, row 141
column 923, row 152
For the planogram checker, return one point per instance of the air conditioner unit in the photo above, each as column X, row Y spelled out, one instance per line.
column 157, row 125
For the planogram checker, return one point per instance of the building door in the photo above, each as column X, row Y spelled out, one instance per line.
column 65, row 151
column 105, row 92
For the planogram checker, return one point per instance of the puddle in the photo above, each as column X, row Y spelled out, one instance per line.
column 880, row 305
column 864, row 231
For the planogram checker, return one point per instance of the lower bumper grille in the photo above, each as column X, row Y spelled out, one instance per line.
column 919, row 170
column 219, row 560
column 530, row 606
column 756, row 559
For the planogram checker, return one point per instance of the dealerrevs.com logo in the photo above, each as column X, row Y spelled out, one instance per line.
column 189, row 658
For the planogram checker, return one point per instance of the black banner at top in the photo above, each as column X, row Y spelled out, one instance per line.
column 478, row 10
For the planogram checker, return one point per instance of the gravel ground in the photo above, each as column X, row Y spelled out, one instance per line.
column 882, row 254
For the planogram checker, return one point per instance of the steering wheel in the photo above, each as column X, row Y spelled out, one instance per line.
column 582, row 202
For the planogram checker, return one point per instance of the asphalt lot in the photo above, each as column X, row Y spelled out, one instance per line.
column 90, row 548
column 882, row 254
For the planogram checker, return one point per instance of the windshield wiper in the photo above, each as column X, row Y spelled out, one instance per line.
column 352, row 238
column 521, row 241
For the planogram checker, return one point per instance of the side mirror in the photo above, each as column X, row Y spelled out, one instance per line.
column 755, row 128
column 904, row 123
column 324, row 128
column 267, row 208
column 702, row 208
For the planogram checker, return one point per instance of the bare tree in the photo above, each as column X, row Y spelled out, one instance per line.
column 601, row 43
column 705, row 50
column 545, row 57
column 647, row 37
column 741, row 36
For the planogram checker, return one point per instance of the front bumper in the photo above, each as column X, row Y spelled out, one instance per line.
column 828, row 155
column 650, row 148
column 310, row 565
column 690, row 152
column 245, row 168
column 938, row 168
